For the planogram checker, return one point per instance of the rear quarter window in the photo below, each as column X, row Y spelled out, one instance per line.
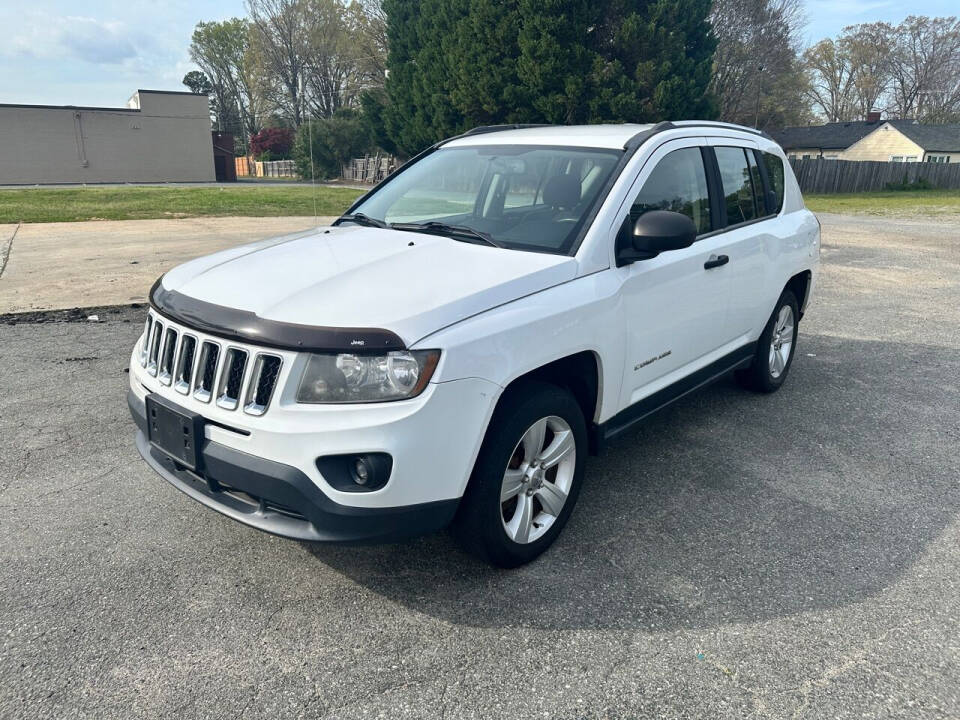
column 774, row 167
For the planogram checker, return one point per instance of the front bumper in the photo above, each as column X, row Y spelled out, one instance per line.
column 282, row 500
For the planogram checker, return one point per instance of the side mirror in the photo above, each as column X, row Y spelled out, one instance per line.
column 655, row 232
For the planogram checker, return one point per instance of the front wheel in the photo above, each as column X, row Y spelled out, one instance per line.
column 775, row 348
column 527, row 476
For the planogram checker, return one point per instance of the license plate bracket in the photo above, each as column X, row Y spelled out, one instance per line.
column 174, row 431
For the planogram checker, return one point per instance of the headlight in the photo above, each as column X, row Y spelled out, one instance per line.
column 348, row 378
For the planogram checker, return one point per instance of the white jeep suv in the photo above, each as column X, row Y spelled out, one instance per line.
column 453, row 347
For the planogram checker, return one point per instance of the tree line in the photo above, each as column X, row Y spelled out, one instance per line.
column 326, row 80
column 910, row 70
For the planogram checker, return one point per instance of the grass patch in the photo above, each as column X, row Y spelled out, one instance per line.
column 893, row 203
column 141, row 203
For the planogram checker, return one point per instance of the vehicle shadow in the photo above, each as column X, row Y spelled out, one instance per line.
column 728, row 507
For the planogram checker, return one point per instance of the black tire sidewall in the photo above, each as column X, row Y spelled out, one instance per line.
column 480, row 522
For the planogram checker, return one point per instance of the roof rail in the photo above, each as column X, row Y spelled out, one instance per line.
column 481, row 129
column 641, row 137
column 719, row 124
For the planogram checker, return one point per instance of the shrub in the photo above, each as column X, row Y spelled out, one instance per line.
column 335, row 141
column 272, row 144
column 918, row 184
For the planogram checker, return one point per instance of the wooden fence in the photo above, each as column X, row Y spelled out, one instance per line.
column 819, row 175
column 369, row 169
column 274, row 168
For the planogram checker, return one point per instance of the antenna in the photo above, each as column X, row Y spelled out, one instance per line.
column 313, row 182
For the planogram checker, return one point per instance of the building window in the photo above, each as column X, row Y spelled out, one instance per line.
column 911, row 158
column 896, row 158
column 938, row 158
column 806, row 157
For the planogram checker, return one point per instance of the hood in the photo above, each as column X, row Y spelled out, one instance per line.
column 412, row 284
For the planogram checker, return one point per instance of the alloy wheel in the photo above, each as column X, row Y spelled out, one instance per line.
column 537, row 479
column 781, row 341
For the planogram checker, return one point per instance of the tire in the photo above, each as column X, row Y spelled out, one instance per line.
column 492, row 527
column 773, row 356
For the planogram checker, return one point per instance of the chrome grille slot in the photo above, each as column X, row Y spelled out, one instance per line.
column 206, row 368
column 153, row 353
column 231, row 378
column 184, row 373
column 167, row 354
column 145, row 344
column 206, row 371
column 266, row 369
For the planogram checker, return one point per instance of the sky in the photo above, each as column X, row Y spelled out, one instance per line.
column 98, row 52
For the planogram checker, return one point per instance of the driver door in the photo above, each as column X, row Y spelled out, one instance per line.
column 674, row 308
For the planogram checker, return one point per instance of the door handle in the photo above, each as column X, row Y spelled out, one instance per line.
column 716, row 261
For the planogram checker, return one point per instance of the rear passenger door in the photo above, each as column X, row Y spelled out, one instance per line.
column 746, row 237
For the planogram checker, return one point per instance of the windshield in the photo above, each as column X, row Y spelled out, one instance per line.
column 523, row 197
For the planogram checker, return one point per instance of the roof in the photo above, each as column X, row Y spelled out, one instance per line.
column 832, row 136
column 942, row 138
column 126, row 109
column 841, row 135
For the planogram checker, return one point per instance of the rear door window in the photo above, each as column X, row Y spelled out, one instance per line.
column 736, row 177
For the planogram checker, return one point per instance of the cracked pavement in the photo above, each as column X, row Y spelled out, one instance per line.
column 794, row 555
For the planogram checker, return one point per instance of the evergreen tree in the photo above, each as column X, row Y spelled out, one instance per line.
column 556, row 63
column 455, row 64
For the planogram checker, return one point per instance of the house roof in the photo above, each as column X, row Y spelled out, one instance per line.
column 841, row 135
column 942, row 138
column 832, row 136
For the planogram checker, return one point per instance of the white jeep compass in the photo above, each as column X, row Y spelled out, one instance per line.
column 453, row 347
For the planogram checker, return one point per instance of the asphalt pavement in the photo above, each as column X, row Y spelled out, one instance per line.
column 793, row 555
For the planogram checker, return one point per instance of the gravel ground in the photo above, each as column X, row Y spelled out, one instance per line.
column 796, row 555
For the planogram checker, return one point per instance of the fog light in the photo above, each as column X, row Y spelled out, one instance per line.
column 357, row 473
column 361, row 473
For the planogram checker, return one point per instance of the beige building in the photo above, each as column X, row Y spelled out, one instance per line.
column 873, row 139
column 158, row 137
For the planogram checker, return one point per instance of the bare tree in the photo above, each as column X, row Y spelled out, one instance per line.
column 333, row 73
column 925, row 65
column 280, row 38
column 868, row 48
column 757, row 76
column 831, row 80
column 369, row 22
column 319, row 53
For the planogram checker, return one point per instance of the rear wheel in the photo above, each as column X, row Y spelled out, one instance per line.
column 775, row 348
column 527, row 476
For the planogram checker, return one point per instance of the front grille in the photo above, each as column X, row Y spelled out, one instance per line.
column 266, row 369
column 207, row 371
column 153, row 352
column 145, row 344
column 165, row 371
column 185, row 358
column 206, row 368
column 231, row 378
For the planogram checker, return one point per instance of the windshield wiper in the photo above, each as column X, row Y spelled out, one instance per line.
column 361, row 219
column 434, row 227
